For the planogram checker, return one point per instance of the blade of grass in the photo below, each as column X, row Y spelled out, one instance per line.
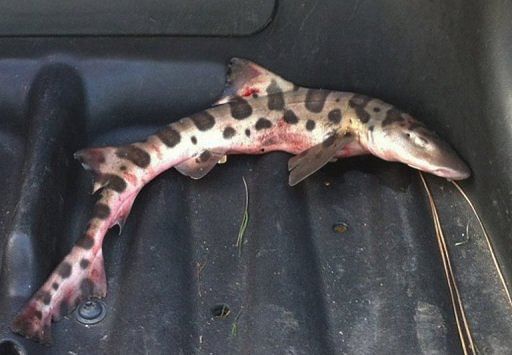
column 245, row 220
column 488, row 240
column 234, row 326
column 457, row 303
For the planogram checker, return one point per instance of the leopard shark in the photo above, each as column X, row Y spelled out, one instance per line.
column 259, row 112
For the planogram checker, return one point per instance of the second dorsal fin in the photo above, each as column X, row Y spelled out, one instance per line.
column 246, row 79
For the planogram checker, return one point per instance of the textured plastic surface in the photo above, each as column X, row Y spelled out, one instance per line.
column 132, row 17
column 298, row 287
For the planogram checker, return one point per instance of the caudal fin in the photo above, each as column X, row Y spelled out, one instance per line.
column 79, row 276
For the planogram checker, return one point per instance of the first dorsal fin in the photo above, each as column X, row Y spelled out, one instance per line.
column 246, row 79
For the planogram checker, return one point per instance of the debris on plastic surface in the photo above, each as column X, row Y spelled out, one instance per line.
column 245, row 220
column 340, row 227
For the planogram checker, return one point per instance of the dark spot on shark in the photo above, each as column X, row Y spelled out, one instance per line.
column 290, row 117
column 38, row 314
column 376, row 109
column 64, row 269
column 371, row 128
column 55, row 286
column 122, row 168
column 193, row 139
column 262, row 123
column 134, row 154
column 240, row 108
column 362, row 114
column 248, row 132
column 315, row 99
column 310, row 125
column 169, row 136
column 358, row 104
column 275, row 96
column 86, row 242
column 101, row 211
column 205, row 156
column 229, row 132
column 334, row 116
column 203, row 120
column 84, row 263
column 115, row 182
column 276, row 102
column 45, row 297
column 392, row 115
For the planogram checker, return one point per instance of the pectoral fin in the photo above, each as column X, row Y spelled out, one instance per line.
column 200, row 165
column 312, row 159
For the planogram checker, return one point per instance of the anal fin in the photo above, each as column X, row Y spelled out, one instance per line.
column 199, row 166
column 308, row 162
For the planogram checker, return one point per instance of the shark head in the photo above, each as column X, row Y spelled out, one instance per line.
column 402, row 138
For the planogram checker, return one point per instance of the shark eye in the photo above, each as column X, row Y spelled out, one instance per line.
column 416, row 139
column 420, row 141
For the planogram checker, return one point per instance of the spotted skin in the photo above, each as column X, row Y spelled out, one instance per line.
column 310, row 125
column 86, row 242
column 275, row 97
column 114, row 182
column 259, row 113
column 229, row 132
column 203, row 120
column 84, row 263
column 134, row 154
column 64, row 270
column 315, row 100
column 240, row 108
column 169, row 136
column 334, row 116
column 392, row 115
column 358, row 103
column 290, row 117
column 262, row 123
column 101, row 211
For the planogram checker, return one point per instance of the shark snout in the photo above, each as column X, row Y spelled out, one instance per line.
column 446, row 164
column 457, row 170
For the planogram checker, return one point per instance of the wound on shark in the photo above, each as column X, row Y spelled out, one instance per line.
column 259, row 112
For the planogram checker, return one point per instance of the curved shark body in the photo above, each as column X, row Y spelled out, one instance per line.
column 259, row 112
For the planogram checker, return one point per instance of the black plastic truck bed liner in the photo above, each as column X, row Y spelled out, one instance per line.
column 177, row 282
